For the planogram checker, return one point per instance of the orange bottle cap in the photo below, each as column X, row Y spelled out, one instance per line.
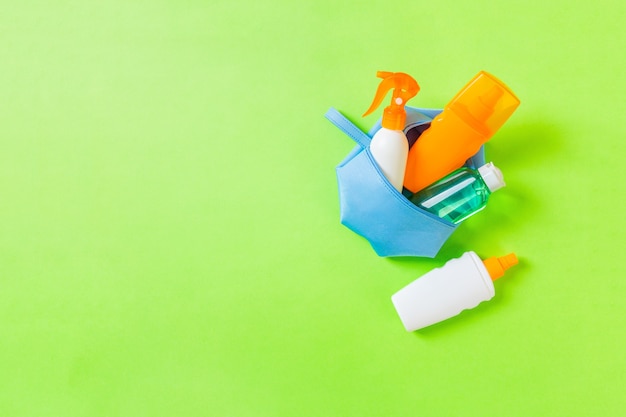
column 404, row 87
column 497, row 265
column 488, row 102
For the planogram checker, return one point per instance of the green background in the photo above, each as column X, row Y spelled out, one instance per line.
column 170, row 241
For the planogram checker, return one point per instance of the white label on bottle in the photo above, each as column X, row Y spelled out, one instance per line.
column 438, row 198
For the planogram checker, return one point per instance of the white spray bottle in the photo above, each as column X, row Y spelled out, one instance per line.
column 389, row 146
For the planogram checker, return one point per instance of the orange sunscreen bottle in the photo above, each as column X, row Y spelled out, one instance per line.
column 389, row 146
column 472, row 117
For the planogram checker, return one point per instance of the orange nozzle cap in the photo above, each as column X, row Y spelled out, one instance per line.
column 404, row 87
column 497, row 265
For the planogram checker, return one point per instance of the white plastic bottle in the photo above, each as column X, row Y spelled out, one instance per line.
column 444, row 292
column 389, row 146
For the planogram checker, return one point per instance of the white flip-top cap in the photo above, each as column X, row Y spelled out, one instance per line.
column 492, row 176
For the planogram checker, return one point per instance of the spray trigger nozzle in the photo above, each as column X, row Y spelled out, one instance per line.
column 404, row 87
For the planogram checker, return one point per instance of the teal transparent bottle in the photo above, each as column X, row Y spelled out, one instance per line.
column 461, row 193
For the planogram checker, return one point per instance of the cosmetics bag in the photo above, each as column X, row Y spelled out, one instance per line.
column 371, row 207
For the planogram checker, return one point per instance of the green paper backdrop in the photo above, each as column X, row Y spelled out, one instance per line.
column 170, row 241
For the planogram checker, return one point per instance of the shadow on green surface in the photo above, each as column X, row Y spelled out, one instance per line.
column 526, row 145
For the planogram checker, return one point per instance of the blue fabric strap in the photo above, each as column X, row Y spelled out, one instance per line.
column 347, row 127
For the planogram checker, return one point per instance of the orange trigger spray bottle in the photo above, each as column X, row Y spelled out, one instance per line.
column 389, row 146
column 472, row 117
